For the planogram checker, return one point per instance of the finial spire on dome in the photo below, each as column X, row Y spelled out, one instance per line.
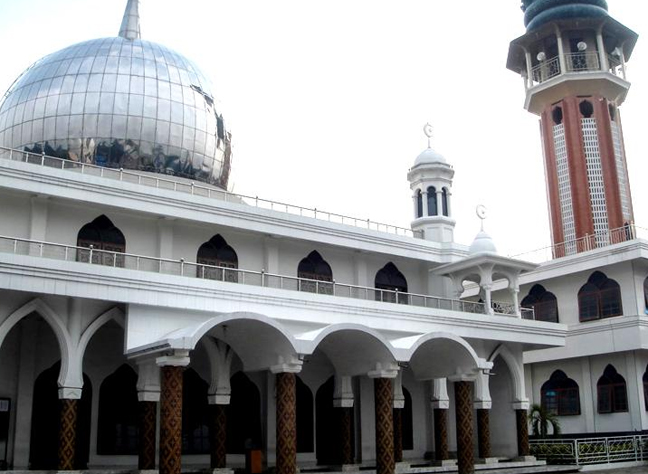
column 428, row 129
column 130, row 25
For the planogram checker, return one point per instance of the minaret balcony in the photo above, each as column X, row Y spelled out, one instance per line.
column 581, row 62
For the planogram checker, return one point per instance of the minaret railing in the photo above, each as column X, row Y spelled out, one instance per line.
column 582, row 61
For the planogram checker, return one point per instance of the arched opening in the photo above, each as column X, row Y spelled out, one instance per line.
column 599, row 298
column 105, row 240
column 543, row 302
column 46, row 420
column 444, row 202
column 432, row 201
column 560, row 395
column 502, row 414
column 393, row 282
column 557, row 115
column 611, row 392
column 195, row 414
column 243, row 415
column 317, row 274
column 586, row 109
column 419, row 203
column 304, row 418
column 217, row 253
column 407, row 420
column 117, row 423
column 328, row 449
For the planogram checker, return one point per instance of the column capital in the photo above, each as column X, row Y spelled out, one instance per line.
column 389, row 371
column 70, row 393
column 521, row 405
column 343, row 392
column 482, row 404
column 219, row 398
column 287, row 365
column 148, row 396
column 176, row 358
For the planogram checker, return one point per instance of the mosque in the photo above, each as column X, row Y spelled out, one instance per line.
column 152, row 320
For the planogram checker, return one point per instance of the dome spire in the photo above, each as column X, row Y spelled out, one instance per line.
column 130, row 26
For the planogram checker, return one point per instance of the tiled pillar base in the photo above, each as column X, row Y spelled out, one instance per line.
column 463, row 407
column 286, row 424
column 441, row 435
column 171, row 420
column 384, row 426
column 67, row 434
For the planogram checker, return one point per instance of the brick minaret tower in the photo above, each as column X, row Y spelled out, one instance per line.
column 573, row 59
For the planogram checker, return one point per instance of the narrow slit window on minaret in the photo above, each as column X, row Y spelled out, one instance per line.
column 557, row 115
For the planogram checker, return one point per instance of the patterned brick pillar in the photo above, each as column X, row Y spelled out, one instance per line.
column 286, row 424
column 345, row 432
column 147, row 422
column 522, row 432
column 218, row 436
column 398, row 435
column 483, row 433
column 441, row 434
column 67, row 434
column 463, row 408
column 384, row 426
column 171, row 420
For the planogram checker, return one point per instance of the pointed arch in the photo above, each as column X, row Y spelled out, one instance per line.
column 389, row 282
column 113, row 314
column 432, row 201
column 105, row 239
column 599, row 298
column 515, row 368
column 560, row 395
column 612, row 394
column 315, row 269
column 216, row 252
column 543, row 302
column 60, row 331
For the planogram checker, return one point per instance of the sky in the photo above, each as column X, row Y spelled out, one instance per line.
column 326, row 100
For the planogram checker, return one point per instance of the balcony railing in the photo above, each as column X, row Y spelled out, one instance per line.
column 261, row 278
column 584, row 451
column 584, row 244
column 586, row 61
column 190, row 187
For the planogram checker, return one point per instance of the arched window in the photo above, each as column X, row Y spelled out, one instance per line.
column 611, row 390
column 444, row 201
column 105, row 239
column 118, row 413
column 599, row 298
column 560, row 395
column 419, row 203
column 217, row 253
column 391, row 279
column 543, row 302
column 432, row 201
column 314, row 267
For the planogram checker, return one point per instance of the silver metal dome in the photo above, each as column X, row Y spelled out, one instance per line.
column 122, row 103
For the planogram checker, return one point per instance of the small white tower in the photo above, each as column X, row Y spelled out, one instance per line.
column 431, row 182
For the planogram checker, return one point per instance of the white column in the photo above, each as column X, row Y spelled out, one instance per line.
column 515, row 291
column 487, row 298
column 424, row 195
column 601, row 50
column 561, row 52
column 529, row 68
column 449, row 200
column 439, row 202
column 415, row 200
column 165, row 238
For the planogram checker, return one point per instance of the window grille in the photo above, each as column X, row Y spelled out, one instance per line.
column 316, row 274
column 564, row 189
column 214, row 258
column 595, row 181
column 622, row 174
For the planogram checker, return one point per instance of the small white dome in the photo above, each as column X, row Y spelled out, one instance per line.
column 483, row 243
column 428, row 157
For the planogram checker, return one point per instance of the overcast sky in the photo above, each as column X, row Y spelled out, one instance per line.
column 326, row 100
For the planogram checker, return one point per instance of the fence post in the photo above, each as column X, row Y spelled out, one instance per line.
column 334, row 288
column 576, row 452
column 263, row 277
column 90, row 254
column 182, row 267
